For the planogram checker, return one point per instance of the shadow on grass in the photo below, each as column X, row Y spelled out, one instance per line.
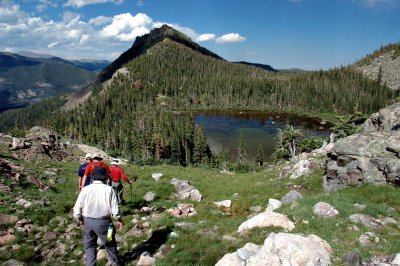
column 133, row 207
column 7, row 157
column 151, row 245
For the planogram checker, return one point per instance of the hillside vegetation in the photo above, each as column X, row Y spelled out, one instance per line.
column 53, row 237
column 144, row 111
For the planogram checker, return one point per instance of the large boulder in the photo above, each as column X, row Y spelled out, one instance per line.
column 385, row 120
column 363, row 158
column 184, row 190
column 267, row 219
column 324, row 210
column 282, row 249
column 372, row 156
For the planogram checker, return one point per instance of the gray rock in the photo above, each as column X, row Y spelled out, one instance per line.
column 6, row 238
column 24, row 203
column 267, row 219
column 381, row 260
column 324, row 210
column 291, row 197
column 362, row 158
column 149, row 196
column 8, row 219
column 50, row 236
column 185, row 224
column 247, row 251
column 13, row 262
column 367, row 239
column 352, row 259
column 300, row 169
column 224, row 203
column 184, row 190
column 281, row 249
column 360, row 206
column 366, row 220
column 396, row 260
column 146, row 260
column 183, row 210
column 257, row 208
column 157, row 176
column 273, row 204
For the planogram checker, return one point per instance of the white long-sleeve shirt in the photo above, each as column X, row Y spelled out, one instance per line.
column 97, row 200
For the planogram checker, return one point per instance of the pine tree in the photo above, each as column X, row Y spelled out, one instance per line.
column 242, row 150
column 260, row 155
column 200, row 148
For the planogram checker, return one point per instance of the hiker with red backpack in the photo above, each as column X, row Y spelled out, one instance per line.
column 97, row 162
column 116, row 173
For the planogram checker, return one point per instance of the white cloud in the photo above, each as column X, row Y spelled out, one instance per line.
column 126, row 27
column 51, row 45
column 72, row 37
column 100, row 20
column 139, row 3
column 44, row 4
column 8, row 50
column 82, row 3
column 374, row 3
column 206, row 37
column 231, row 38
column 41, row 7
column 9, row 13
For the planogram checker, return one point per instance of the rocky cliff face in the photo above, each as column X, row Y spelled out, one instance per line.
column 385, row 67
column 372, row 156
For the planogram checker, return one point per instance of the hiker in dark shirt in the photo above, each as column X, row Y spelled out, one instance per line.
column 81, row 170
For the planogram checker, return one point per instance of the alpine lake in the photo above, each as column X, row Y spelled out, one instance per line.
column 223, row 130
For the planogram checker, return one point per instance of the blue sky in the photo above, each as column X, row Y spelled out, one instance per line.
column 307, row 34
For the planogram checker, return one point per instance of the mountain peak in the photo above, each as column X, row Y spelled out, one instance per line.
column 143, row 43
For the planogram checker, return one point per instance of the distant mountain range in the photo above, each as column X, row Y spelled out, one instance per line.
column 88, row 64
column 262, row 66
column 28, row 77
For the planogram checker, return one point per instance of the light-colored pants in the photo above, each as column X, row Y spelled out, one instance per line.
column 118, row 188
column 93, row 229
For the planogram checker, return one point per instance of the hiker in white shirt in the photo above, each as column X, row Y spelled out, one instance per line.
column 95, row 206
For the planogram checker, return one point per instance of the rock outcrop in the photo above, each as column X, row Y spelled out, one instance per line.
column 40, row 142
column 386, row 66
column 368, row 157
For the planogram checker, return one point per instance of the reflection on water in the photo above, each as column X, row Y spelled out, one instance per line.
column 223, row 130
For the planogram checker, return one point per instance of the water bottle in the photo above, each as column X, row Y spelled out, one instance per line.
column 109, row 232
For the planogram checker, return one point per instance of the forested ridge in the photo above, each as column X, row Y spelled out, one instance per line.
column 145, row 115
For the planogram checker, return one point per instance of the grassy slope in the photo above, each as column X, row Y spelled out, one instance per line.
column 203, row 244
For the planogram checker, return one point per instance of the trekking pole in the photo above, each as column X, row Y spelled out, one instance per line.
column 134, row 180
column 130, row 184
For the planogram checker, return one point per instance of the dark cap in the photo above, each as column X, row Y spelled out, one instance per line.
column 99, row 173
